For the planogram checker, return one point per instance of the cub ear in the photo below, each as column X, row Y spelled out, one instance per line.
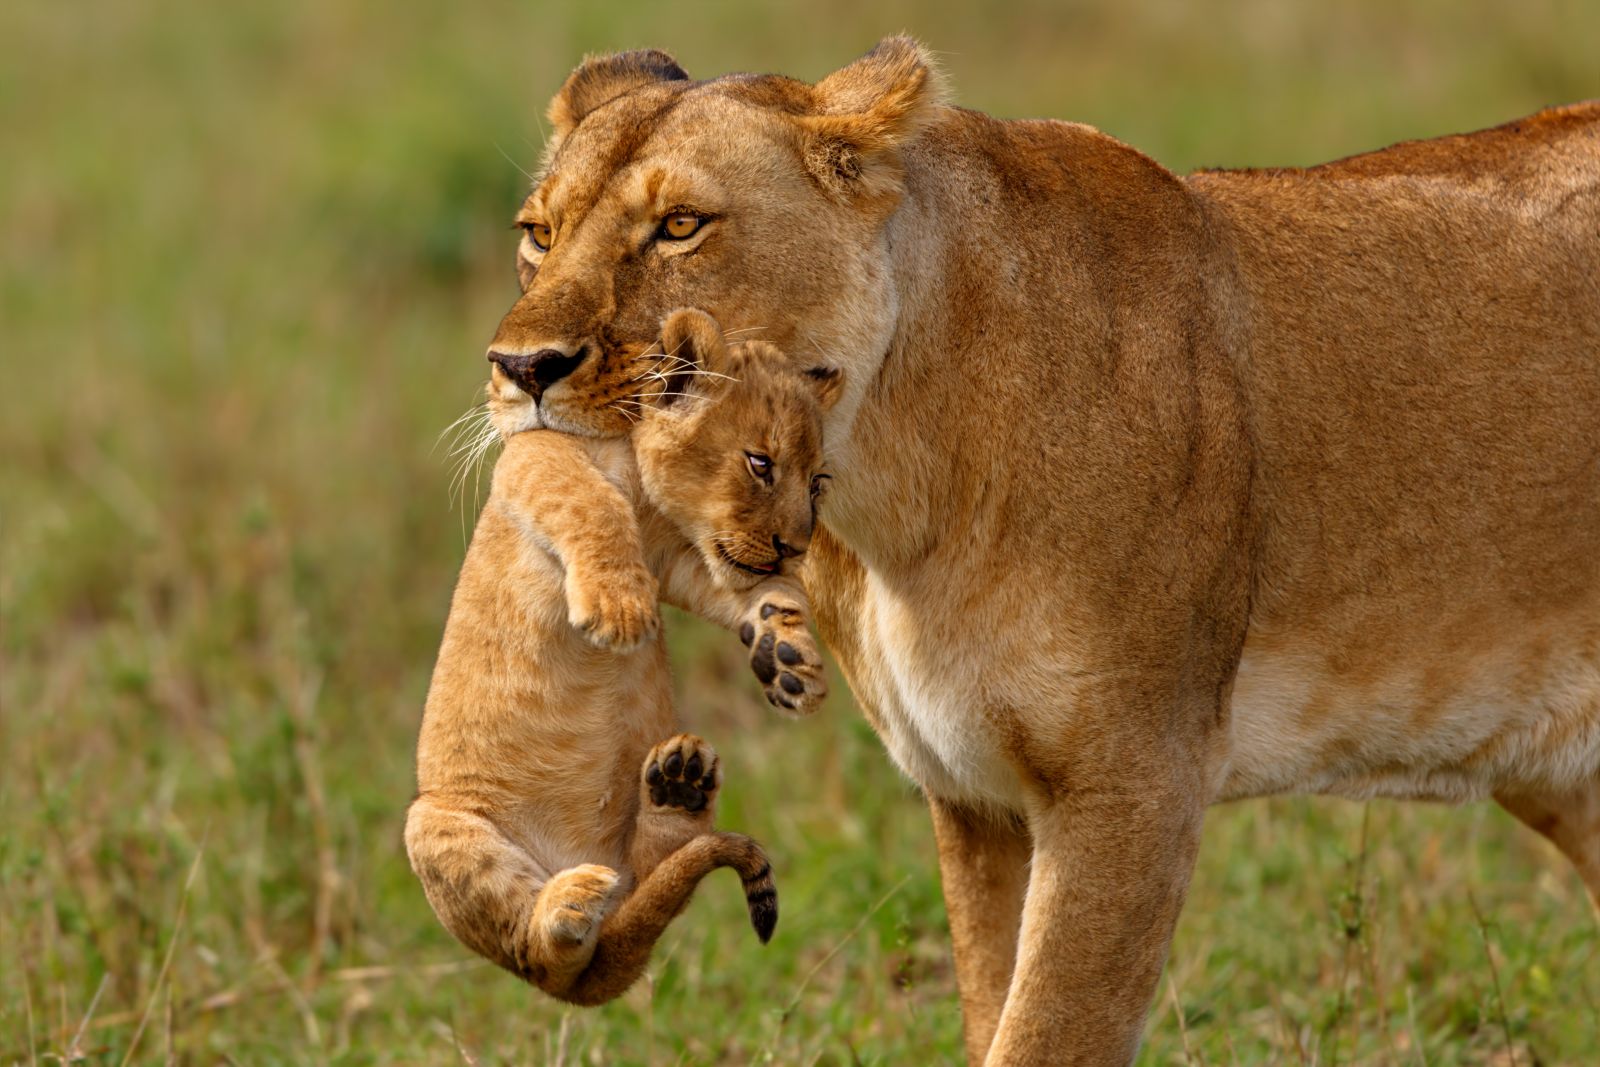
column 864, row 112
column 600, row 79
column 694, row 352
column 826, row 383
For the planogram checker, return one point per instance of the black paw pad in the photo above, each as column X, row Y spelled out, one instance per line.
column 788, row 655
column 747, row 633
column 769, row 610
column 762, row 660
column 676, row 782
column 791, row 685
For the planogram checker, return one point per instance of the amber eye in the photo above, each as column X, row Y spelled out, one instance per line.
column 760, row 466
column 680, row 226
column 539, row 234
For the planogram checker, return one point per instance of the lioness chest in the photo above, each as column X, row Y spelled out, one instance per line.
column 926, row 697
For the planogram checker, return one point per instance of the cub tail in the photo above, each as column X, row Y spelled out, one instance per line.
column 629, row 934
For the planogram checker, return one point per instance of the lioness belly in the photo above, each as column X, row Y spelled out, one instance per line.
column 1444, row 716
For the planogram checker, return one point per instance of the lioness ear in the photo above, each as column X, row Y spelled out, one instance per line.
column 864, row 112
column 600, row 79
column 695, row 353
column 827, row 383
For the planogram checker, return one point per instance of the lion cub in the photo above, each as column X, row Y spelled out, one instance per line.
column 562, row 820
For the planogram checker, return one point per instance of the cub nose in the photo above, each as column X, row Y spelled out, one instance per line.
column 786, row 550
column 535, row 373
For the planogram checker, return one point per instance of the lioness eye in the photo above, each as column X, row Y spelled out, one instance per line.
column 816, row 483
column 539, row 234
column 680, row 226
column 760, row 466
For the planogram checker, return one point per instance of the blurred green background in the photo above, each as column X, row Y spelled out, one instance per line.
column 252, row 253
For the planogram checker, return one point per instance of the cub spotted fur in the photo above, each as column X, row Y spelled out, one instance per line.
column 554, row 830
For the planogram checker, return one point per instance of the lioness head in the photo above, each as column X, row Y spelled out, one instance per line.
column 759, row 198
column 730, row 447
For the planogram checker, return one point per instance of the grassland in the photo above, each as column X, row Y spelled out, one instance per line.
column 251, row 254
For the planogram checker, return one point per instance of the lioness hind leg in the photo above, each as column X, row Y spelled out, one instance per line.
column 1571, row 820
column 677, row 799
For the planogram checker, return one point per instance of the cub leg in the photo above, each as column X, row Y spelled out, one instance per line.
column 771, row 620
column 1571, row 820
column 677, row 799
column 783, row 654
column 673, row 849
column 630, row 933
column 983, row 862
column 552, row 487
column 566, row 924
column 488, row 891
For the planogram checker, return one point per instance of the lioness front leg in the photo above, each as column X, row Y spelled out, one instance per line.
column 1123, row 777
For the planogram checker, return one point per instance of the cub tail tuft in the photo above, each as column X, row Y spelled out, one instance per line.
column 761, row 897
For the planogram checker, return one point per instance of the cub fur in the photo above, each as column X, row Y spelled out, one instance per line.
column 555, row 831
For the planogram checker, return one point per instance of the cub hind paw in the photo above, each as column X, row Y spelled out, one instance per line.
column 682, row 772
column 573, row 904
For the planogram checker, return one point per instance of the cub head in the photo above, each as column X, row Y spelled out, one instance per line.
column 730, row 447
column 760, row 198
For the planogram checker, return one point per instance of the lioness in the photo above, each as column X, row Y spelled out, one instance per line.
column 554, row 831
column 1150, row 491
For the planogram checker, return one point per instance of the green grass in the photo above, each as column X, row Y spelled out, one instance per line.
column 251, row 255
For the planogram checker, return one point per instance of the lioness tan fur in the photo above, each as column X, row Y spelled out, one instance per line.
column 1150, row 491
column 562, row 820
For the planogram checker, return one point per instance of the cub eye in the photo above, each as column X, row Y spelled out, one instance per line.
column 680, row 226
column 760, row 466
column 538, row 233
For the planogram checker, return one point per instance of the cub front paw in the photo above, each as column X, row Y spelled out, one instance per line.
column 785, row 657
column 682, row 772
column 573, row 904
column 613, row 608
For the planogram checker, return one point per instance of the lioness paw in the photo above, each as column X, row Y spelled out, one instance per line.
column 682, row 772
column 573, row 904
column 785, row 657
column 614, row 608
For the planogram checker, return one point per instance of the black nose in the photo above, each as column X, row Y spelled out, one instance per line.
column 537, row 372
column 786, row 550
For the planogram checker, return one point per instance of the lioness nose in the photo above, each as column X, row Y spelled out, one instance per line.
column 537, row 372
